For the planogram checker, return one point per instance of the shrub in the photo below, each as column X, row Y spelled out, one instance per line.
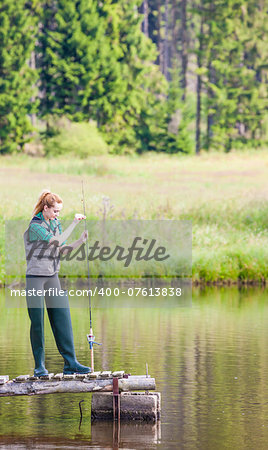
column 80, row 139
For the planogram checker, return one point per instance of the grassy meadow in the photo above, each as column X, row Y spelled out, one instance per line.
column 224, row 195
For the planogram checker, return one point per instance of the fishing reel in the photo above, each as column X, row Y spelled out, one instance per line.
column 91, row 340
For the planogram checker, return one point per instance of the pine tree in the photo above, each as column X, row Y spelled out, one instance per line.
column 95, row 63
column 253, row 33
column 138, row 107
column 234, row 96
column 17, row 28
column 70, row 49
column 199, row 52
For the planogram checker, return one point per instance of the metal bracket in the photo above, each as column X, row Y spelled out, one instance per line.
column 116, row 400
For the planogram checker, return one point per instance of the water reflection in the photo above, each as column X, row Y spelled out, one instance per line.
column 103, row 435
column 123, row 435
column 210, row 362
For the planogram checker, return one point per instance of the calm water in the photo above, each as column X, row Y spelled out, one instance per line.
column 210, row 362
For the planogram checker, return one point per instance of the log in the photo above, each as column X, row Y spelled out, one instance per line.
column 133, row 406
column 12, row 388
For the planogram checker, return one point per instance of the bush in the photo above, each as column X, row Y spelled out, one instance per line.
column 80, row 139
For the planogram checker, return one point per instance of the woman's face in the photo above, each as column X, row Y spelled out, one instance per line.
column 53, row 212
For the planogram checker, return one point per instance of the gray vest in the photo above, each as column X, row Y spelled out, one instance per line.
column 42, row 258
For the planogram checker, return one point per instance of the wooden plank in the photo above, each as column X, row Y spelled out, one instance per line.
column 80, row 376
column 49, row 376
column 118, row 374
column 58, row 376
column 4, row 379
column 22, row 378
column 106, row 374
column 93, row 375
column 69, row 377
column 73, row 386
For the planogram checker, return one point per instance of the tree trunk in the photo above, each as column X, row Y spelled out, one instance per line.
column 32, row 64
column 198, row 91
column 184, row 55
column 145, row 18
column 210, row 95
column 174, row 31
column 166, row 47
column 159, row 39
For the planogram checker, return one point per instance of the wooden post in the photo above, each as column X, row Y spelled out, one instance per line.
column 116, row 400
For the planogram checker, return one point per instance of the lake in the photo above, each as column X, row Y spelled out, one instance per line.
column 209, row 358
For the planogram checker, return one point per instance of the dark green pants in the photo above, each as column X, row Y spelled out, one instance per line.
column 59, row 316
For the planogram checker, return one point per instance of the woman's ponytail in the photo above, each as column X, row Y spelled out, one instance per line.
column 46, row 198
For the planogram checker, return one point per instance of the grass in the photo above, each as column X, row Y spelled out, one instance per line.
column 224, row 195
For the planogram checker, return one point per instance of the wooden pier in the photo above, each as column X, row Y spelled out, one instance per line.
column 113, row 392
column 59, row 383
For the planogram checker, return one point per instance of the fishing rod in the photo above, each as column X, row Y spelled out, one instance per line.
column 90, row 336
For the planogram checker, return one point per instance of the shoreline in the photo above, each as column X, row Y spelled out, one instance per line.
column 161, row 281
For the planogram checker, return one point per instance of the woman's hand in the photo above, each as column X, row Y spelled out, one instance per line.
column 84, row 237
column 79, row 217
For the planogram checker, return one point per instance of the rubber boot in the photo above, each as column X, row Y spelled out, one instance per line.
column 37, row 340
column 60, row 320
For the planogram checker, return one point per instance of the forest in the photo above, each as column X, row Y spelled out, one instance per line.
column 155, row 75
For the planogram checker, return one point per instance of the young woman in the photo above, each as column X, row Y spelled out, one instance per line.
column 44, row 242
